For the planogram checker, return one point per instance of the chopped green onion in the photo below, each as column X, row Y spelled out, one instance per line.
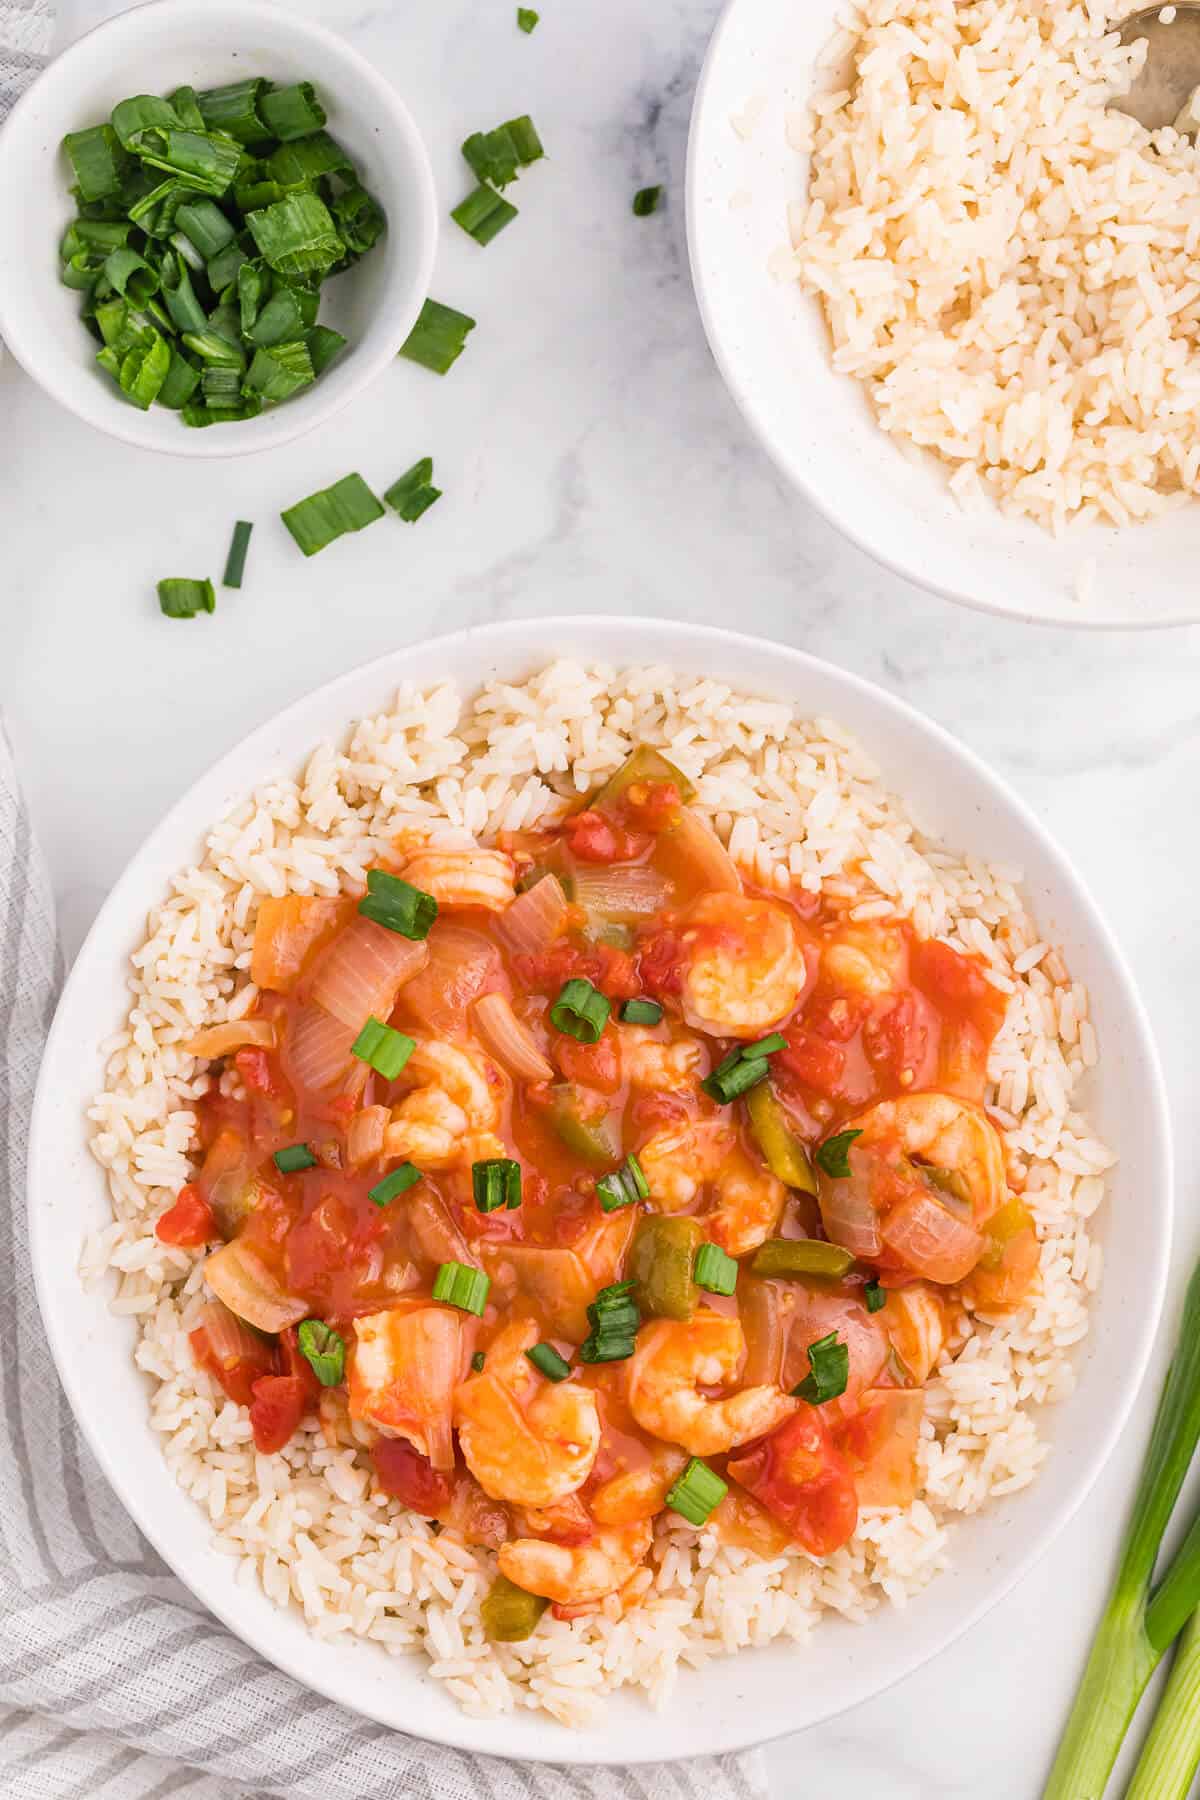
column 438, row 338
column 133, row 118
column 523, row 133
column 526, row 19
column 414, row 493
column 308, row 160
column 223, row 273
column 624, row 1186
column 181, row 383
column 205, row 226
column 875, row 1297
column 580, row 1011
column 185, row 104
column 324, row 1349
column 460, row 1285
column 250, row 408
column 483, row 214
column 186, row 312
column 645, row 201
column 398, row 1182
column 291, row 112
column 715, row 1271
column 492, row 156
column 346, row 506
column 832, row 1156
column 697, row 1492
column 296, row 236
column 234, row 109
column 131, row 276
column 280, row 371
column 641, row 1012
column 96, row 159
column 181, row 599
column 496, row 1183
column 398, row 905
column 202, row 161
column 614, row 1319
column 323, row 345
column 829, row 1366
column 548, row 1362
column 359, row 220
column 211, row 347
column 477, row 1362
column 235, row 562
column 294, row 1158
column 736, row 1075
column 386, row 1050
column 765, row 1046
column 280, row 321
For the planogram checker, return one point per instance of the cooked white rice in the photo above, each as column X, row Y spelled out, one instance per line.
column 798, row 801
column 1008, row 267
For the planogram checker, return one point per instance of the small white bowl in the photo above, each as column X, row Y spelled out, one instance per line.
column 773, row 349
column 757, row 1694
column 156, row 48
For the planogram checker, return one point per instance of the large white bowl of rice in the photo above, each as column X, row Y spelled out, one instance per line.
column 811, row 777
column 953, row 293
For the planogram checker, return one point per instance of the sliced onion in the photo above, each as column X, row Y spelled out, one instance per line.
column 237, row 1034
column 536, row 918
column 363, row 969
column 238, row 1276
column 436, row 1236
column 930, row 1241
column 766, row 1310
column 286, row 930
column 364, row 1135
column 510, row 1042
column 620, row 896
column 817, row 1314
column 692, row 848
column 556, row 1281
column 230, row 1339
column 318, row 1049
column 461, row 965
column 849, row 1217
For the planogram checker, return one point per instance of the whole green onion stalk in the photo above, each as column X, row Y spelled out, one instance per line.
column 1137, row 1628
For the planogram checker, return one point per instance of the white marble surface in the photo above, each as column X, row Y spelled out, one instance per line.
column 592, row 461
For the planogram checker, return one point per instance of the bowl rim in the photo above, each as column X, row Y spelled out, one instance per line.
column 282, row 424
column 777, row 452
column 524, row 639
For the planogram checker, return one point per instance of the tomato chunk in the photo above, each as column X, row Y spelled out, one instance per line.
column 802, row 1480
column 277, row 1405
column 812, row 1061
column 189, row 1223
column 589, row 1065
column 238, row 1358
column 410, row 1477
column 254, row 1067
column 599, row 838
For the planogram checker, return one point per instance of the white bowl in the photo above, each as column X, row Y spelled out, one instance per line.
column 772, row 347
column 156, row 48
column 758, row 1694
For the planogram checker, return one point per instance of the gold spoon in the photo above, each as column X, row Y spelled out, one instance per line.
column 1171, row 72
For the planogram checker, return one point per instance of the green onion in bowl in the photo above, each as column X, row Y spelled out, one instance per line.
column 207, row 224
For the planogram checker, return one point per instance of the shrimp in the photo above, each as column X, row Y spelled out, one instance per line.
column 744, row 967
column 670, row 1365
column 582, row 1574
column 450, row 1117
column 638, row 1493
column 680, row 1160
column 926, row 1172
column 646, row 1062
column 485, row 878
column 525, row 1439
column 917, row 1320
column 406, row 1365
column 871, row 961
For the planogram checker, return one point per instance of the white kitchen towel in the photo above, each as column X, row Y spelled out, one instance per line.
column 25, row 27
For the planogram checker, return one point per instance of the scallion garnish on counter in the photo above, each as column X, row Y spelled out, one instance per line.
column 1139, row 1623
column 527, row 19
column 414, row 493
column 646, row 201
column 496, row 158
column 438, row 338
column 331, row 512
column 207, row 224
column 235, row 562
column 183, row 599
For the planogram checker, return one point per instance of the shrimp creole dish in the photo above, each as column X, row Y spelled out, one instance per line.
column 597, row 1187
